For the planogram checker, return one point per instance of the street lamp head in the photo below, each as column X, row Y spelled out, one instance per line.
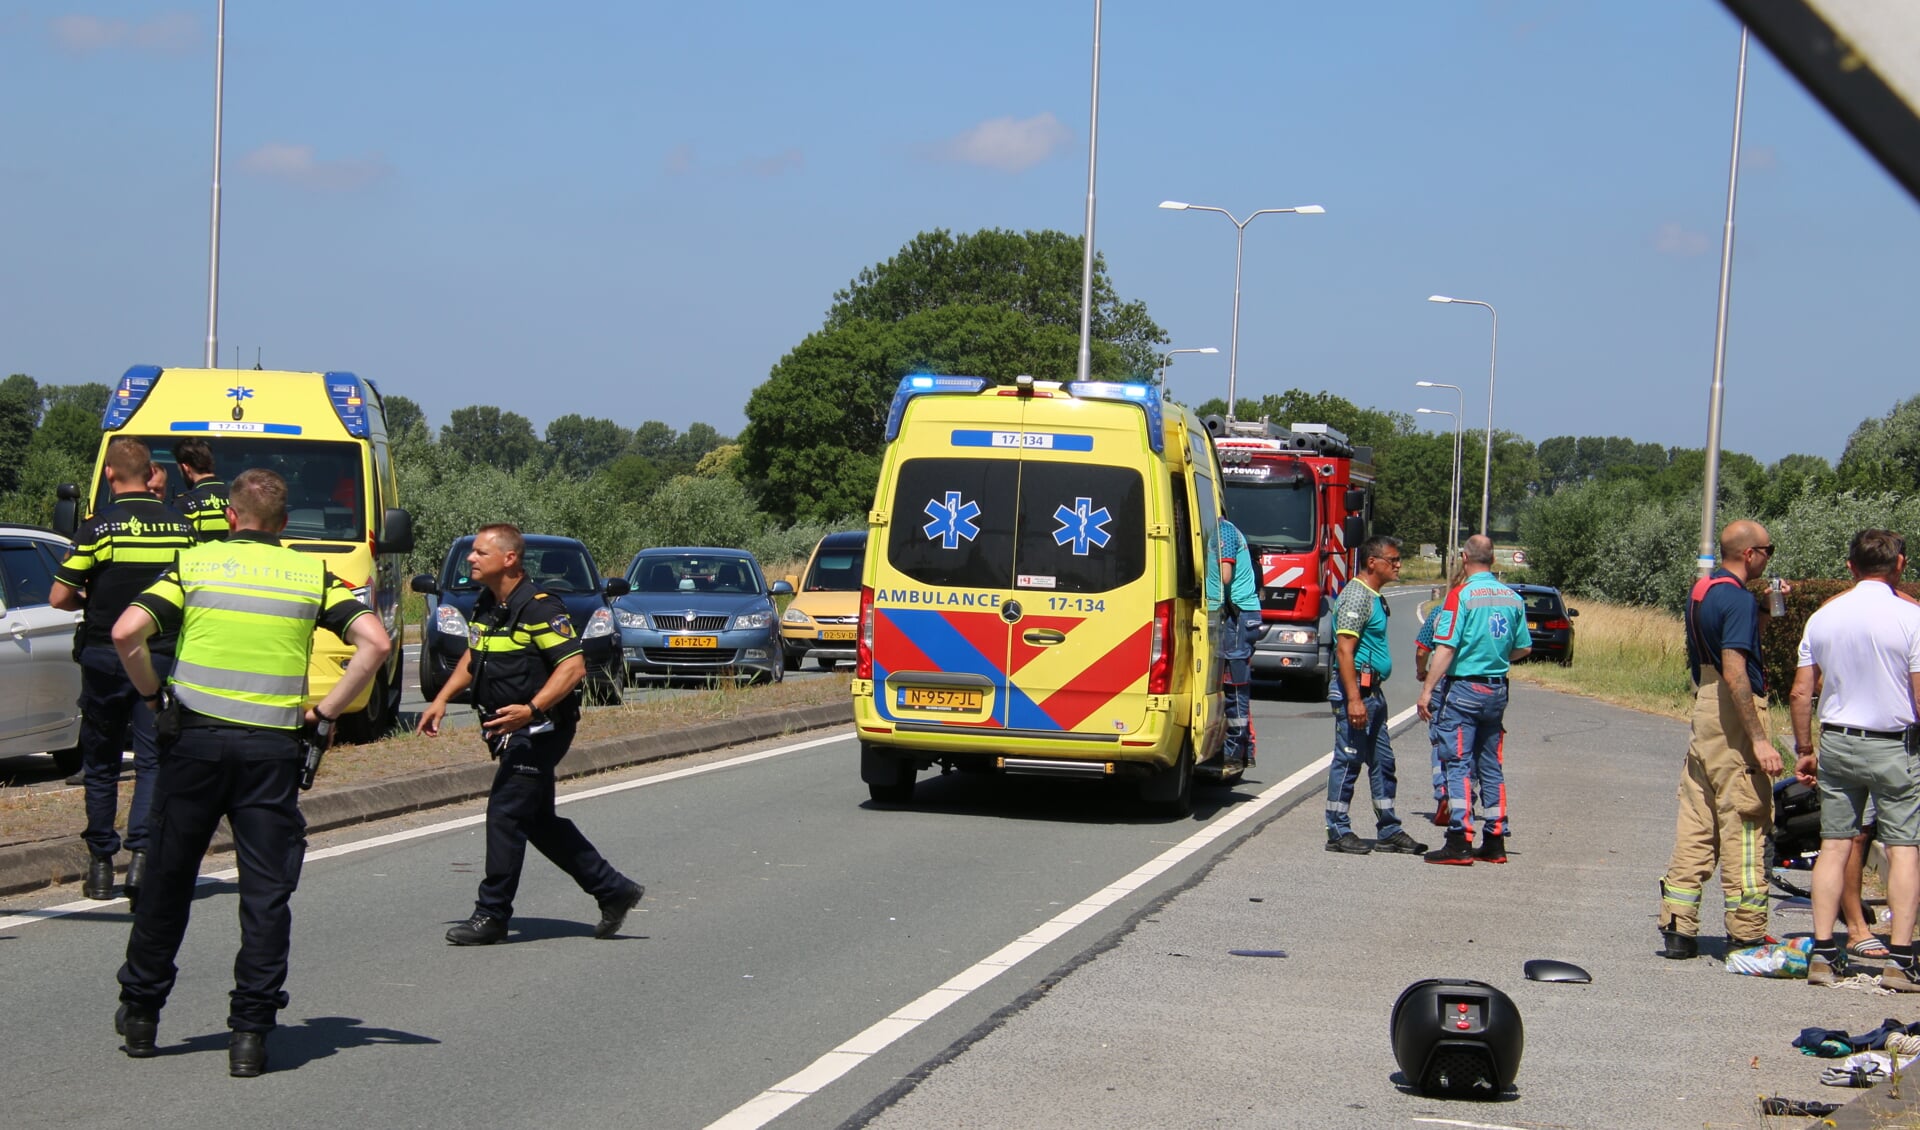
column 1304, row 210
column 1174, row 205
column 1424, row 384
column 1438, row 298
column 1208, row 349
column 1428, row 411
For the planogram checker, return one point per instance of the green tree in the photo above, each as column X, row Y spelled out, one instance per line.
column 582, row 445
column 403, row 414
column 1883, row 454
column 653, row 440
column 69, row 429
column 482, row 434
column 694, row 511
column 19, row 414
column 1792, row 477
column 632, row 478
column 1035, row 274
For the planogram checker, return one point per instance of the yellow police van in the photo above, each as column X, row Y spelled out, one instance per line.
column 1033, row 596
column 326, row 434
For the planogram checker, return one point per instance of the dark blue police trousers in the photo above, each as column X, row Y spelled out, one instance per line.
column 251, row 777
column 520, row 812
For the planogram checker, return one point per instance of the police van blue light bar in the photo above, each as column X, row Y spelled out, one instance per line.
column 920, row 384
column 128, row 396
column 349, row 402
column 1146, row 396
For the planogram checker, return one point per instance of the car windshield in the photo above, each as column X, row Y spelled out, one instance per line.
column 555, row 569
column 326, row 493
column 836, row 570
column 692, row 572
column 1543, row 604
column 1272, row 515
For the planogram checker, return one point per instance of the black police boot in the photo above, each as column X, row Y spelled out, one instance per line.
column 246, row 1054
column 137, row 1027
column 99, row 884
column 613, row 911
column 136, row 875
column 480, row 930
column 1679, row 947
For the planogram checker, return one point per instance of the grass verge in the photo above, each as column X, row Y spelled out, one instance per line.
column 40, row 816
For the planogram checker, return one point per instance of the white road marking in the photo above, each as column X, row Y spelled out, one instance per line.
column 28, row 918
column 1469, row 1125
column 811, row 1079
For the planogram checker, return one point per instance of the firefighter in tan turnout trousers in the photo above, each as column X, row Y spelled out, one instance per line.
column 1726, row 789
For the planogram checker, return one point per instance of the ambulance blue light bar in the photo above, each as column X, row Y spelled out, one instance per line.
column 921, row 384
column 128, row 397
column 1146, row 396
column 349, row 402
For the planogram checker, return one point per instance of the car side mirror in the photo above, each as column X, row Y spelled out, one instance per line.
column 396, row 533
column 1356, row 530
column 618, row 586
column 424, row 584
column 66, row 511
column 782, row 588
column 1573, row 612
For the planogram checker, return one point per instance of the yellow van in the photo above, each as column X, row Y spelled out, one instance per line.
column 821, row 617
column 326, row 434
column 1033, row 601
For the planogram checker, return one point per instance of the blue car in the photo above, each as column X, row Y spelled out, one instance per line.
column 700, row 612
column 558, row 566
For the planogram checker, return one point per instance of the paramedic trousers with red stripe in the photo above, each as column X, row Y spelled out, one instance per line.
column 1726, row 815
column 1468, row 732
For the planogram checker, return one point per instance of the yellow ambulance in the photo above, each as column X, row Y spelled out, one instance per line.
column 1033, row 600
column 326, row 434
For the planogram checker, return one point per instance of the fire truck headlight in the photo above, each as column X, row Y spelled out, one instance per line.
column 1293, row 635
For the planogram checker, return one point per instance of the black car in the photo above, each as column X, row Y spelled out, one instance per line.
column 560, row 567
column 1549, row 621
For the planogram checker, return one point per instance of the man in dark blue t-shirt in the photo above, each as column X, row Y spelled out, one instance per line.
column 1726, row 788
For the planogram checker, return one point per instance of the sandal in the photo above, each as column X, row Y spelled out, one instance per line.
column 1869, row 947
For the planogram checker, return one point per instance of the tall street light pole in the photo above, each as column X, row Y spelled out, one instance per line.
column 1493, row 362
column 1239, row 247
column 1166, row 359
column 213, row 251
column 1711, row 491
column 1459, row 417
column 1085, row 368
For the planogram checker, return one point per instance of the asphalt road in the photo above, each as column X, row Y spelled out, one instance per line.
column 798, row 954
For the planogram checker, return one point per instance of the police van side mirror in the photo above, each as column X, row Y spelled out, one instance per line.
column 424, row 584
column 66, row 511
column 396, row 533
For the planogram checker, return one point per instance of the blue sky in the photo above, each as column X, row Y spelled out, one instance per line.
column 634, row 209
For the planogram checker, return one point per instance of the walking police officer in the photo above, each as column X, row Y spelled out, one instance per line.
column 205, row 501
column 116, row 553
column 525, row 665
column 245, row 611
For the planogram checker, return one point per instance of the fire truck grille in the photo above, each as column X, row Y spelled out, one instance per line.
column 1279, row 600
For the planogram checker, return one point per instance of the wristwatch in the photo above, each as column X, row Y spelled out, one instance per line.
column 538, row 717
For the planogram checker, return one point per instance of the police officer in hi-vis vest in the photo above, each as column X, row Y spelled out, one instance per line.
column 524, row 663
column 245, row 610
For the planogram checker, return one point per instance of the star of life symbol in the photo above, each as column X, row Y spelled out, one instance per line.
column 953, row 520
column 239, row 393
column 1082, row 526
column 1497, row 624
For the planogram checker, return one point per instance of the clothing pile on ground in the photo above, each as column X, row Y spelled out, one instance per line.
column 1866, row 1058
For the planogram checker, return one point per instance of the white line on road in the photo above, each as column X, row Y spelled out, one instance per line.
column 789, row 1092
column 28, row 918
column 1469, row 1125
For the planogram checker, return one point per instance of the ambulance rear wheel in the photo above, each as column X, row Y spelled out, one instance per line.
column 889, row 779
column 1169, row 792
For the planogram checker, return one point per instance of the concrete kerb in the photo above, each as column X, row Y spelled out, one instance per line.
column 25, row 867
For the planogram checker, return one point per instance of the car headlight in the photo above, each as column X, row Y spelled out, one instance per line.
column 630, row 619
column 448, row 621
column 599, row 624
column 794, row 616
column 1293, row 635
column 753, row 619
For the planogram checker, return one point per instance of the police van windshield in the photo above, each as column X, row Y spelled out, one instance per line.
column 1272, row 515
column 326, row 492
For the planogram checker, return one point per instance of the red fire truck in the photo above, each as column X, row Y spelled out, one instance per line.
column 1303, row 499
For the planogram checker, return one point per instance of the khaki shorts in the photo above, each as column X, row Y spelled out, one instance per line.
column 1857, row 771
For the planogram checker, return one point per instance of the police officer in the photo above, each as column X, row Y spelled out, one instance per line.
column 525, row 665
column 205, row 501
column 1480, row 631
column 245, row 611
column 116, row 553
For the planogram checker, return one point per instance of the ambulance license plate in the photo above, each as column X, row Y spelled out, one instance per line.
column 927, row 698
column 836, row 633
column 693, row 641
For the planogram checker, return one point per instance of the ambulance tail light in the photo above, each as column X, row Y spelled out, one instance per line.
column 1160, row 650
column 863, row 653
